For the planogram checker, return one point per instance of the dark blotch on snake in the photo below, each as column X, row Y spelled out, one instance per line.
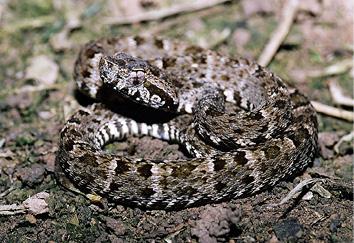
column 69, row 145
column 159, row 43
column 240, row 158
column 85, row 73
column 139, row 40
column 122, row 167
column 259, row 139
column 301, row 134
column 257, row 115
column 219, row 186
column 114, row 186
column 280, row 104
column 145, row 170
column 147, row 192
column 219, row 164
column 183, row 171
column 272, row 152
column 74, row 120
column 88, row 159
column 298, row 99
column 90, row 52
column 247, row 179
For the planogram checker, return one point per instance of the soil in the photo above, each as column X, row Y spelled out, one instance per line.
column 39, row 41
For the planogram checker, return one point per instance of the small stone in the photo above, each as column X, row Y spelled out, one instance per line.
column 252, row 7
column 116, row 226
column 326, row 141
column 321, row 191
column 288, row 229
column 32, row 175
column 274, row 239
column 31, row 219
column 37, row 204
column 42, row 69
column 49, row 160
column 241, row 37
column 312, row 6
column 215, row 223
column 74, row 220
column 308, row 196
column 60, row 41
column 45, row 115
column 335, row 223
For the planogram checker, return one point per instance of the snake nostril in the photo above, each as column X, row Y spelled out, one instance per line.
column 136, row 81
column 137, row 77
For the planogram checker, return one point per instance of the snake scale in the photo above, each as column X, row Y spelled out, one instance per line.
column 243, row 128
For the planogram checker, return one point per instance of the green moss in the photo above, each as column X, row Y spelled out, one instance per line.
column 346, row 83
column 315, row 56
column 92, row 9
column 30, row 114
column 52, row 29
column 31, row 8
column 25, row 139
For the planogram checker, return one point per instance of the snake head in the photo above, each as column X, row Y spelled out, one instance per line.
column 139, row 81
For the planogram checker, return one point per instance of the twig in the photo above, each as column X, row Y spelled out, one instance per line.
column 346, row 138
column 169, row 24
column 332, row 111
column 12, row 209
column 28, row 24
column 6, row 153
column 335, row 69
column 280, row 33
column 35, row 204
column 163, row 13
column 3, row 194
column 2, row 10
column 298, row 188
column 338, row 96
column 32, row 88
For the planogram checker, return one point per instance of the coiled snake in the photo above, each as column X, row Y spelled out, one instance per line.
column 245, row 130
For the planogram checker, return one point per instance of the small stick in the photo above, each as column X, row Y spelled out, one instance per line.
column 280, row 33
column 12, row 209
column 156, row 29
column 335, row 69
column 338, row 96
column 163, row 13
column 346, row 138
column 32, row 88
column 298, row 188
column 332, row 111
column 28, row 23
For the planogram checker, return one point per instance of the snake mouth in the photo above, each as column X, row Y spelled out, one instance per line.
column 143, row 95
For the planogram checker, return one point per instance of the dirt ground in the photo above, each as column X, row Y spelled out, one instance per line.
column 39, row 41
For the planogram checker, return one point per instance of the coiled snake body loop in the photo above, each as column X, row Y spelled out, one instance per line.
column 245, row 129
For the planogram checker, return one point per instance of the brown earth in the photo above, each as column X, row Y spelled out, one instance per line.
column 40, row 40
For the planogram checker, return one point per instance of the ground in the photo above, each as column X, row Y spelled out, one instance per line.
column 39, row 41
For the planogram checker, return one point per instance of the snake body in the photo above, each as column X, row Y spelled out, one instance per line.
column 244, row 128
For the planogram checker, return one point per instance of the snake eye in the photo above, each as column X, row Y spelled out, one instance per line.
column 120, row 62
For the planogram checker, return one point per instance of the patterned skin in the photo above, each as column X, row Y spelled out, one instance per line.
column 248, row 129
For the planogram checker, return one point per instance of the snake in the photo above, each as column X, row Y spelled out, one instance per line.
column 241, row 127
